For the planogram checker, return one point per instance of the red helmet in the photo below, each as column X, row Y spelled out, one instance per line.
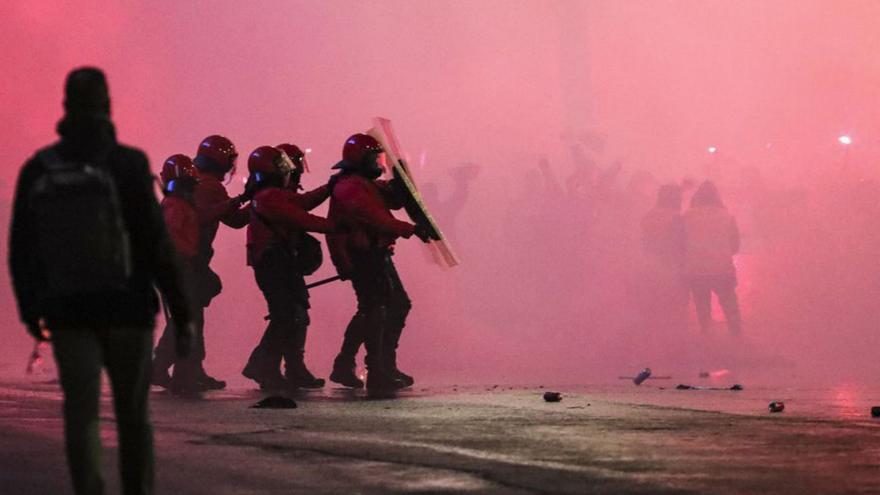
column 216, row 153
column 268, row 161
column 177, row 167
column 296, row 155
column 358, row 146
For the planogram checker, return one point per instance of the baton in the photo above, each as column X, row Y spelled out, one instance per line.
column 322, row 282
column 311, row 285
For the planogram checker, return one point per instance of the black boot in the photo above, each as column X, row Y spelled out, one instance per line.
column 266, row 379
column 208, row 382
column 160, row 377
column 392, row 369
column 303, row 378
column 164, row 357
column 344, row 373
column 294, row 352
column 184, row 380
column 406, row 379
column 381, row 381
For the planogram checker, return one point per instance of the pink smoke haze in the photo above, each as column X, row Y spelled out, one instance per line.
column 532, row 106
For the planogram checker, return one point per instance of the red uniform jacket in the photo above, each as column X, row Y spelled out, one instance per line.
column 183, row 226
column 362, row 209
column 286, row 210
column 213, row 205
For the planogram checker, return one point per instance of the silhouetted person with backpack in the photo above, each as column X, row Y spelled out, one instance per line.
column 87, row 245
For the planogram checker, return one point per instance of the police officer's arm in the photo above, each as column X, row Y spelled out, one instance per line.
column 281, row 210
column 214, row 204
column 237, row 216
column 26, row 273
column 149, row 228
column 312, row 199
column 357, row 203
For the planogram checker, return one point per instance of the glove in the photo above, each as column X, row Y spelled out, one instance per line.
column 184, row 337
column 396, row 182
column 36, row 330
column 424, row 232
column 250, row 189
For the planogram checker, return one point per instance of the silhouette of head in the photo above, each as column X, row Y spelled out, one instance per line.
column 706, row 195
column 86, row 93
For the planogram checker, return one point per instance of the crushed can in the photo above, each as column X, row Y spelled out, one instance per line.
column 642, row 376
column 776, row 406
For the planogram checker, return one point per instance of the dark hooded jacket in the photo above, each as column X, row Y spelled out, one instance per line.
column 89, row 138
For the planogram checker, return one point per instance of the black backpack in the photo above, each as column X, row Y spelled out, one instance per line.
column 82, row 241
column 304, row 248
column 308, row 253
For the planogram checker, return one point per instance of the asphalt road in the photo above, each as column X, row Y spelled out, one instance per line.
column 480, row 440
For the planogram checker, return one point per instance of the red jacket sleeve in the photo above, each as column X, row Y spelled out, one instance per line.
column 356, row 202
column 312, row 199
column 284, row 213
column 215, row 205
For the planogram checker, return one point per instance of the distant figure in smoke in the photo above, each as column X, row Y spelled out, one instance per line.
column 665, row 303
column 711, row 241
column 214, row 159
column 361, row 252
column 281, row 254
column 87, row 245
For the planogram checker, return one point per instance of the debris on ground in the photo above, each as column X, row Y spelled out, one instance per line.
column 552, row 396
column 642, row 376
column 275, row 402
column 735, row 387
column 776, row 406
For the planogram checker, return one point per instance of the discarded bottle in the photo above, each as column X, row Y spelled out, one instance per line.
column 642, row 376
column 776, row 406
column 552, row 396
column 875, row 412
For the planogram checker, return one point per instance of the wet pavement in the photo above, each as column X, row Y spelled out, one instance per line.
column 600, row 439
